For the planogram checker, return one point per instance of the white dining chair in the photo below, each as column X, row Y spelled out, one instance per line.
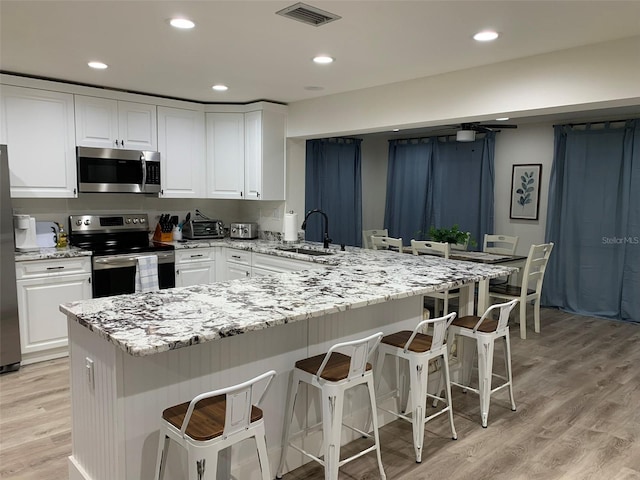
column 367, row 234
column 533, row 275
column 386, row 243
column 442, row 249
column 500, row 244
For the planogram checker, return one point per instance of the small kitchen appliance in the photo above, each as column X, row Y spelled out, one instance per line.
column 116, row 242
column 244, row 231
column 25, row 231
column 197, row 229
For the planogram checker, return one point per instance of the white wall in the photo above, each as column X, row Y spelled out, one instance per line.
column 578, row 79
column 526, row 144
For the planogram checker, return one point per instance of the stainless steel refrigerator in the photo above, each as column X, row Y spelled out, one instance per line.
column 9, row 327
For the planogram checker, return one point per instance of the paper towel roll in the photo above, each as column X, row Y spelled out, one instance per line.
column 291, row 227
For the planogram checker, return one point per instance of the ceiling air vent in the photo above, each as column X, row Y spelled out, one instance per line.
column 308, row 14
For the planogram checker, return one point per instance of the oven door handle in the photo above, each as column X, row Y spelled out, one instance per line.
column 126, row 260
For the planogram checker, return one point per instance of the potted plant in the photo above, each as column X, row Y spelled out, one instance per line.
column 458, row 239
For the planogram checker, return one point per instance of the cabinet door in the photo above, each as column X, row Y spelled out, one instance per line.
column 181, row 147
column 225, row 155
column 265, row 155
column 38, row 128
column 137, row 126
column 96, row 122
column 253, row 154
column 42, row 325
column 236, row 271
column 195, row 274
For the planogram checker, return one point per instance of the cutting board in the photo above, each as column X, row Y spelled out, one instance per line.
column 46, row 234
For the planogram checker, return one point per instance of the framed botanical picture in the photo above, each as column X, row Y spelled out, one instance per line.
column 525, row 191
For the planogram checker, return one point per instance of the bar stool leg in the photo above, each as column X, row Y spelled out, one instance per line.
column 199, row 464
column 263, row 457
column 444, row 365
column 485, row 367
column 294, row 384
column 374, row 416
column 523, row 320
column 418, row 391
column 332, row 405
column 163, row 445
column 507, row 353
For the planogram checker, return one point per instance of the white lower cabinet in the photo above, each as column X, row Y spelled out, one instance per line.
column 195, row 266
column 238, row 264
column 42, row 287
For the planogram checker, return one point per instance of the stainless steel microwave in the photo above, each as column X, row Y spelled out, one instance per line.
column 117, row 170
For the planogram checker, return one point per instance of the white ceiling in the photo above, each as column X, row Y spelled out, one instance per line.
column 263, row 56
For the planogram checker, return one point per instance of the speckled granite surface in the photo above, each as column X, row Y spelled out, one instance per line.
column 52, row 253
column 148, row 323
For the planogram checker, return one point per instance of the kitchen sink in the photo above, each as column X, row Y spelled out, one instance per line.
column 304, row 251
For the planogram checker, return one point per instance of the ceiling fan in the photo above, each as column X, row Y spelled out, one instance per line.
column 467, row 132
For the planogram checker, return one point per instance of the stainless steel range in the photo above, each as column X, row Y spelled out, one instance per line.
column 116, row 242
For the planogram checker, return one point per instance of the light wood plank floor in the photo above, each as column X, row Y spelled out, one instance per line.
column 577, row 388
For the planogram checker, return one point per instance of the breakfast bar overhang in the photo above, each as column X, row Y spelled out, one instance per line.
column 132, row 356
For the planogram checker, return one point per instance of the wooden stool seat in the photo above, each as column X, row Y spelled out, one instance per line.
column 207, row 420
column 421, row 342
column 469, row 321
column 336, row 369
column 506, row 289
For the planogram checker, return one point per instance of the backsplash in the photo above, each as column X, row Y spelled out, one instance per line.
column 268, row 215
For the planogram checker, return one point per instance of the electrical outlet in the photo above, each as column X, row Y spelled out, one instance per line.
column 90, row 372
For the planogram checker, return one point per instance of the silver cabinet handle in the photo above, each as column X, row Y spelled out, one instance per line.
column 235, row 256
column 196, row 256
column 55, row 268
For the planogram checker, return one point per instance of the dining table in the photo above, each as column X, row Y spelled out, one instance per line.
column 517, row 261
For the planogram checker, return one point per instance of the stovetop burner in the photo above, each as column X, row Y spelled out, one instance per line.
column 113, row 234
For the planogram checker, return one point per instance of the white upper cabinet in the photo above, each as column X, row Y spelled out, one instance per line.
column 264, row 169
column 225, row 155
column 245, row 155
column 181, row 144
column 106, row 123
column 38, row 128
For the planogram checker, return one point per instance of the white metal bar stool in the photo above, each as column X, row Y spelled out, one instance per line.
column 485, row 331
column 334, row 373
column 212, row 422
column 419, row 349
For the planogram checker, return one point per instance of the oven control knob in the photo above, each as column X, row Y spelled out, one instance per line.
column 245, row 230
column 142, row 220
column 135, row 220
column 87, row 222
column 234, row 230
column 79, row 222
column 128, row 220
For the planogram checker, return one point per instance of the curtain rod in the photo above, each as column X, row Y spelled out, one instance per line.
column 592, row 123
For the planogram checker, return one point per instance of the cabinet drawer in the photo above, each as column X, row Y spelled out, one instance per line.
column 56, row 267
column 191, row 255
column 281, row 264
column 239, row 256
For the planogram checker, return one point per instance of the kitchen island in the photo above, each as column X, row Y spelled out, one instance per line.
column 134, row 355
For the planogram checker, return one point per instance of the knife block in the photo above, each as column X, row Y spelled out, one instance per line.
column 160, row 236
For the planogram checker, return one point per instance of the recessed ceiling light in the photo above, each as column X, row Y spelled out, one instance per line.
column 98, row 65
column 485, row 36
column 323, row 59
column 181, row 23
column 220, row 88
column 313, row 88
column 396, row 129
column 502, row 119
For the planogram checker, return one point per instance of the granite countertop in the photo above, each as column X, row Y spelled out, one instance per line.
column 148, row 323
column 52, row 253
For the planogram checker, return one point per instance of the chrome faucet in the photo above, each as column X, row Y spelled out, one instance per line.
column 326, row 240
